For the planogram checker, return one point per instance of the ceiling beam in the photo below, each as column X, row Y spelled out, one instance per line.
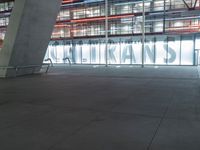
column 3, row 1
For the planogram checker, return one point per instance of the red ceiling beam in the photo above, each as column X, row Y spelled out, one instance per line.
column 64, row 1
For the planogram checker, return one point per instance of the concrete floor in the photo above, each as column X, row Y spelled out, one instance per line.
column 98, row 108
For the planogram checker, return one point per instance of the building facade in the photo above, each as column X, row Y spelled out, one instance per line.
column 171, row 32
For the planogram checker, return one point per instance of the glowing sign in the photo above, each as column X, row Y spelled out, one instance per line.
column 161, row 50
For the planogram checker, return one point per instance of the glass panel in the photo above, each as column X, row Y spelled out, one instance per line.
column 126, row 52
column 197, row 42
column 149, row 51
column 59, row 53
column 78, row 52
column 95, row 50
column 173, row 56
column 187, row 52
column 114, row 53
column 161, row 51
column 67, row 51
column 102, row 53
column 53, row 53
column 86, row 53
column 137, row 52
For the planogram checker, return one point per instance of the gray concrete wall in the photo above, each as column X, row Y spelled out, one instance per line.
column 28, row 34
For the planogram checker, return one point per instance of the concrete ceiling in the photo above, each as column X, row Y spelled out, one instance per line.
column 2, row 1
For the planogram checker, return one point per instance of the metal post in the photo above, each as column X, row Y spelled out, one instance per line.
column 164, row 17
column 143, row 31
column 106, row 31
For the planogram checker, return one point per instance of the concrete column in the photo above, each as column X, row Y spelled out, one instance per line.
column 28, row 34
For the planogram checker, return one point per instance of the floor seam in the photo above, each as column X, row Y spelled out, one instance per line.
column 72, row 134
column 198, row 71
column 102, row 111
column 158, row 127
column 128, row 77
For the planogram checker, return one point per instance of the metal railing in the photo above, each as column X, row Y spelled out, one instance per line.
column 67, row 58
column 51, row 62
column 33, row 67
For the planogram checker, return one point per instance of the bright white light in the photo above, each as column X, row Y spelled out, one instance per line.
column 156, row 67
column 187, row 52
column 95, row 66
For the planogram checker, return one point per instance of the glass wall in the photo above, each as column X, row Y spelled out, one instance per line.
column 6, row 6
column 159, row 50
column 5, row 9
column 85, row 19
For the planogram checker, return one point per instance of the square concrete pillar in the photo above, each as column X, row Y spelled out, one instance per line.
column 28, row 35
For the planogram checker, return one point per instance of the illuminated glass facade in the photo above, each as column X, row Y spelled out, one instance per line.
column 159, row 50
column 5, row 9
column 171, row 27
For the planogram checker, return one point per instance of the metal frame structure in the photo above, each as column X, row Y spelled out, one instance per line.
column 77, row 20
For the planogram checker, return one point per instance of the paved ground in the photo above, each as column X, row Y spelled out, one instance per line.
column 98, row 108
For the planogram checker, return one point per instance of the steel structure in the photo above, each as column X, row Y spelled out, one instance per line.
column 84, row 22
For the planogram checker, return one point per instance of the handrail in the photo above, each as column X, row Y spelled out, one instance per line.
column 49, row 59
column 67, row 58
column 17, row 68
column 48, row 66
column 7, row 67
